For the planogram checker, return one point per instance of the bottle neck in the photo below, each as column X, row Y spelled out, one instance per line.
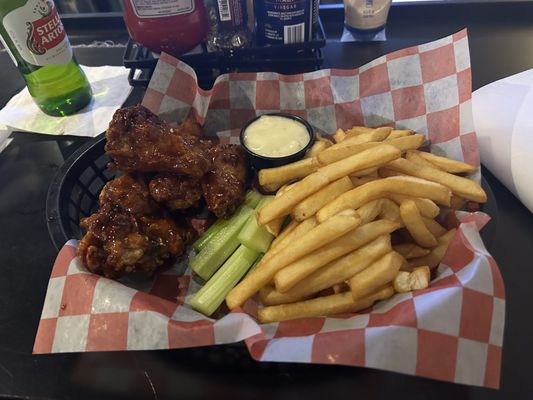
column 8, row 6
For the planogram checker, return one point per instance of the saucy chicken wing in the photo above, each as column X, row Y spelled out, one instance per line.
column 224, row 186
column 133, row 230
column 130, row 232
column 177, row 192
column 139, row 141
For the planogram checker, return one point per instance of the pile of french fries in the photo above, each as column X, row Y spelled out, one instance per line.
column 362, row 224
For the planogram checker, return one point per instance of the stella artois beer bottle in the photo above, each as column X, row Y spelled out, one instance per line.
column 34, row 37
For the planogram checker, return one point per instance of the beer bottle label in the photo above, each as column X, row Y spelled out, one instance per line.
column 38, row 34
column 162, row 8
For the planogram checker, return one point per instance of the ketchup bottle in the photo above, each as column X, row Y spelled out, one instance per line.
column 172, row 26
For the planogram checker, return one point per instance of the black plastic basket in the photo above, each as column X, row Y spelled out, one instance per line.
column 286, row 59
column 73, row 193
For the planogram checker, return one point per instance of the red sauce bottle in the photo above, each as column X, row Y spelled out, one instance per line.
column 172, row 26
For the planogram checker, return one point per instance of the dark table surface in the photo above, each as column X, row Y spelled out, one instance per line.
column 501, row 43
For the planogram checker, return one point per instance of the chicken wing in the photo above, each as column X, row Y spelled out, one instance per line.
column 177, row 192
column 139, row 141
column 224, row 186
column 130, row 232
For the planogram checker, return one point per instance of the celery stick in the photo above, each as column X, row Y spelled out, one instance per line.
column 212, row 294
column 252, row 198
column 220, row 247
column 253, row 235
column 255, row 264
column 210, row 233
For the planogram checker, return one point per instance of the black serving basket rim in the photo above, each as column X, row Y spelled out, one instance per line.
column 56, row 196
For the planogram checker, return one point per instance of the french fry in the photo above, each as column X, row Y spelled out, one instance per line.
column 447, row 164
column 415, row 224
column 420, row 278
column 336, row 271
column 433, row 259
column 273, row 227
column 379, row 273
column 362, row 176
column 375, row 135
column 401, row 282
column 316, row 201
column 426, row 206
column 286, row 231
column 298, row 231
column 415, row 280
column 317, row 147
column 280, row 175
column 390, row 210
column 355, row 130
column 339, row 151
column 283, row 204
column 326, row 305
column 339, row 135
column 405, row 143
column 269, row 296
column 359, row 181
column 272, row 188
column 397, row 133
column 369, row 211
column 369, row 158
column 373, row 190
column 299, row 269
column 457, row 202
column 410, row 250
column 317, row 237
column 312, row 183
column 434, row 227
column 464, row 187
column 365, row 172
column 340, row 247
column 413, row 156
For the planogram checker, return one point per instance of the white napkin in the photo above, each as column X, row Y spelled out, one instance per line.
column 503, row 119
column 4, row 136
column 110, row 87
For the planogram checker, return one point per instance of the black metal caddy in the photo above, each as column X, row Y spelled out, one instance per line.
column 285, row 59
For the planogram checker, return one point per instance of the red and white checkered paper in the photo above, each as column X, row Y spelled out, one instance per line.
column 452, row 331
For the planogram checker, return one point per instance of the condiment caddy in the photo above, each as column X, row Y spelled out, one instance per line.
column 208, row 64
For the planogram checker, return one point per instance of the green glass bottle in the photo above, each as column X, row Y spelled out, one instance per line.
column 34, row 36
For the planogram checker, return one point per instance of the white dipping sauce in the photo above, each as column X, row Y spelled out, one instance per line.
column 275, row 136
